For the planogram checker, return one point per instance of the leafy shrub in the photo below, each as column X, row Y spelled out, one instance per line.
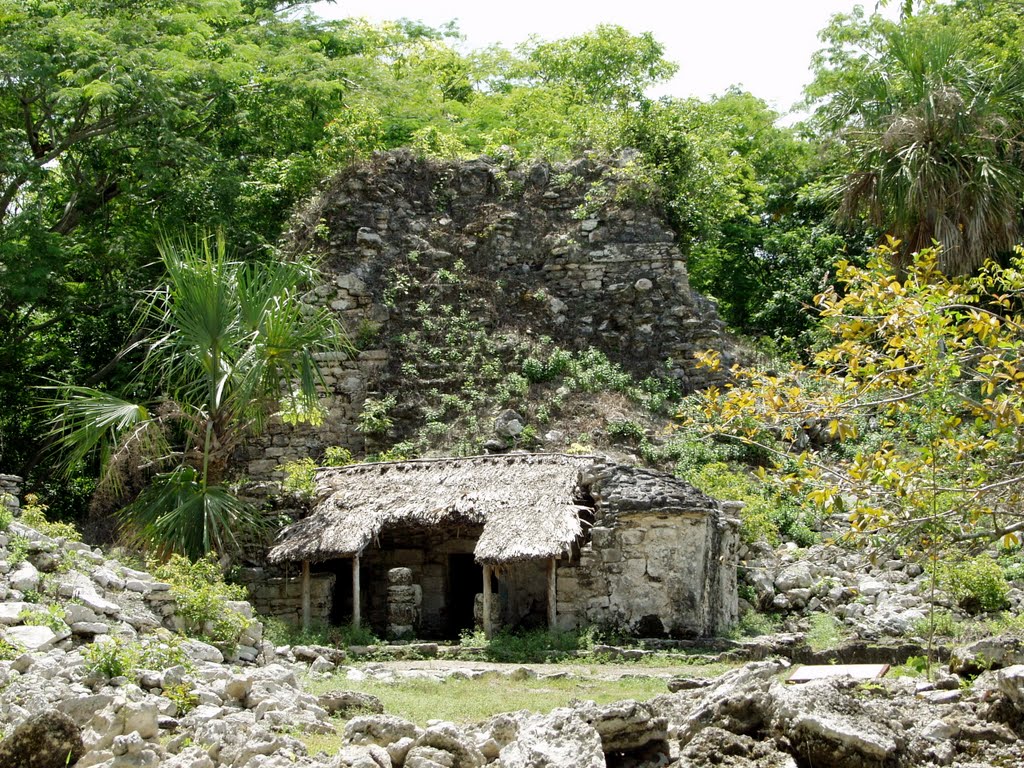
column 280, row 632
column 766, row 513
column 299, row 476
column 6, row 514
column 121, row 657
column 536, row 646
column 625, row 431
column 34, row 515
column 183, row 696
column 200, row 591
column 17, row 549
column 825, row 631
column 945, row 624
column 1013, row 566
column 51, row 616
column 754, row 624
column 336, row 456
column 977, row 584
column 375, row 419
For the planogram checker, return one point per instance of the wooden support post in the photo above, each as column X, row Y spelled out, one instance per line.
column 355, row 592
column 552, row 596
column 307, row 609
column 487, row 601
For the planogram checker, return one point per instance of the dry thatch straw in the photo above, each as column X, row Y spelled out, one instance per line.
column 527, row 504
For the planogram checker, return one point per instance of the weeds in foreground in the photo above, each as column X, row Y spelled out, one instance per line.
column 280, row 632
column 825, row 632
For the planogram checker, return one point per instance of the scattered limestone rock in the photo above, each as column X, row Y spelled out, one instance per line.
column 348, row 703
column 562, row 739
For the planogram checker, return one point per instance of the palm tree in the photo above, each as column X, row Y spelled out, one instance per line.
column 228, row 343
column 932, row 142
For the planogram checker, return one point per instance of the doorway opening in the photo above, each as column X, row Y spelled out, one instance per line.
column 465, row 580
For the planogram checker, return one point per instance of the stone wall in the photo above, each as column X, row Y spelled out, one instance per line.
column 10, row 491
column 541, row 258
column 280, row 597
column 660, row 559
column 646, row 576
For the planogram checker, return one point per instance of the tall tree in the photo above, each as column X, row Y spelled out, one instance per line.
column 930, row 132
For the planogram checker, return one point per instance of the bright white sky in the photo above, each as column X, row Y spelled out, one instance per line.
column 763, row 45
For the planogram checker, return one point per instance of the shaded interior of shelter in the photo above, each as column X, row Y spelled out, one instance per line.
column 441, row 558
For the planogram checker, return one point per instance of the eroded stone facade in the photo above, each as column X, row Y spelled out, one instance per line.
column 547, row 251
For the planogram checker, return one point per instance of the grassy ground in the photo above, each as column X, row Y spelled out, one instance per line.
column 470, row 701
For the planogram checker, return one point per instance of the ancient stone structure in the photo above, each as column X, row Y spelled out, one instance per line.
column 569, row 252
column 10, row 491
column 403, row 601
column 281, row 596
column 532, row 539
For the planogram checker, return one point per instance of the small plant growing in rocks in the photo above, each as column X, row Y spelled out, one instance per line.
column 34, row 514
column 200, row 591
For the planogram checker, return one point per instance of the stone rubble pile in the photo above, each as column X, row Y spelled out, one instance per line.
column 249, row 710
column 872, row 599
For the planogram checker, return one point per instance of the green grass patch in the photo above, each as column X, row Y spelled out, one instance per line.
column 470, row 701
column 825, row 631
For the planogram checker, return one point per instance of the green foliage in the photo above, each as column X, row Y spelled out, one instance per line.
column 336, row 456
column 183, row 695
column 9, row 650
column 767, row 514
column 375, row 418
column 754, row 624
column 626, row 431
column 6, row 514
column 17, row 549
column 825, row 631
column 941, row 624
column 910, row 421
column 121, row 657
column 34, row 514
column 533, row 646
column 299, row 476
column 977, row 584
column 51, row 616
column 1012, row 564
column 280, row 632
column 221, row 337
column 200, row 593
column 927, row 124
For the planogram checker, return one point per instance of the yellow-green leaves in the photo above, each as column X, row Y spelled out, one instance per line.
column 912, row 420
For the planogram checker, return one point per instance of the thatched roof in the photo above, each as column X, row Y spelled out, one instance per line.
column 527, row 504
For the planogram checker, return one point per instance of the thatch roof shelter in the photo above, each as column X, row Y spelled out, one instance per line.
column 527, row 504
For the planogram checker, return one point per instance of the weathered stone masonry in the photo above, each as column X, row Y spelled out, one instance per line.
column 542, row 259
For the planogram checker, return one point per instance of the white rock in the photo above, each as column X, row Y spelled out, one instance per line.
column 559, row 740
column 74, row 613
column 91, row 599
column 871, row 587
column 33, row 638
column 799, row 575
column 107, row 579
column 201, row 651
column 24, row 578
column 1010, row 681
column 10, row 612
column 90, row 628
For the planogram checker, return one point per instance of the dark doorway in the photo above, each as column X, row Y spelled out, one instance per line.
column 341, row 602
column 465, row 580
